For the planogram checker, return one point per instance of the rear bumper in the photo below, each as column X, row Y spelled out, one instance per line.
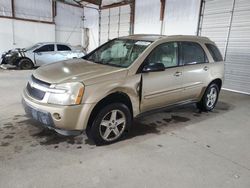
column 72, row 118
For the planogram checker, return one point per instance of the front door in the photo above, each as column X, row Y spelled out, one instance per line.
column 45, row 55
column 164, row 87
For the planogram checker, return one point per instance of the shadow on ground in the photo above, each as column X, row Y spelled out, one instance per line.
column 22, row 133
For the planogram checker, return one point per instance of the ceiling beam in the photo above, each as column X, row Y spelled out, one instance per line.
column 125, row 2
column 13, row 8
column 163, row 4
column 67, row 3
column 95, row 2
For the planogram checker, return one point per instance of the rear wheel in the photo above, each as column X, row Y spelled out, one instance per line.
column 209, row 98
column 110, row 124
column 25, row 64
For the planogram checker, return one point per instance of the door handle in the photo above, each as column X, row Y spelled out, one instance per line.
column 177, row 73
column 205, row 68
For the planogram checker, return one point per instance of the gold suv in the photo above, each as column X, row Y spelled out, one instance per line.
column 102, row 92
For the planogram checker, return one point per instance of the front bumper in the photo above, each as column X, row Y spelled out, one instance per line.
column 72, row 118
column 43, row 117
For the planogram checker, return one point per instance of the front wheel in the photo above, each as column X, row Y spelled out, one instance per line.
column 110, row 124
column 25, row 64
column 209, row 98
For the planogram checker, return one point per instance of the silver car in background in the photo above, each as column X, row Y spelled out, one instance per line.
column 41, row 54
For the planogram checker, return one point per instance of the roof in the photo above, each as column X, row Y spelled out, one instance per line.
column 146, row 37
column 153, row 37
column 43, row 43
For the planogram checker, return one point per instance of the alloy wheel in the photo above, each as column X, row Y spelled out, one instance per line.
column 112, row 125
column 211, row 97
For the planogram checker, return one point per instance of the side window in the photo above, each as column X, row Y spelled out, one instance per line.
column 192, row 53
column 215, row 53
column 166, row 54
column 61, row 47
column 46, row 48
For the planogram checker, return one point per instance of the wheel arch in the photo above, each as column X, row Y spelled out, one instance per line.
column 114, row 97
column 19, row 59
column 216, row 81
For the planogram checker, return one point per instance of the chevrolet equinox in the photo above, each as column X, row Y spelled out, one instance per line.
column 102, row 92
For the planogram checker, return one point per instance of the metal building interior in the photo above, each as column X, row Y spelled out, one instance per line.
column 172, row 147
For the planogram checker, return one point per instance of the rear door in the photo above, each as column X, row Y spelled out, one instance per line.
column 195, row 69
column 64, row 52
column 45, row 54
column 165, row 87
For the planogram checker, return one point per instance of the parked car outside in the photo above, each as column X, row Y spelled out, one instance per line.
column 41, row 54
column 122, row 79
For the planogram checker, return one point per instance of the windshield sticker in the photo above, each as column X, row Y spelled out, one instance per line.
column 142, row 43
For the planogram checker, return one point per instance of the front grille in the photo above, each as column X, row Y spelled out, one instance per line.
column 34, row 92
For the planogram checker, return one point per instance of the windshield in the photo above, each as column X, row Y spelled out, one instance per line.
column 118, row 52
column 32, row 47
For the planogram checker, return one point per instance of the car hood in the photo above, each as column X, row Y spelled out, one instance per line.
column 78, row 70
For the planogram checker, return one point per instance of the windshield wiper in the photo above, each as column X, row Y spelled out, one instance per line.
column 114, row 65
column 106, row 63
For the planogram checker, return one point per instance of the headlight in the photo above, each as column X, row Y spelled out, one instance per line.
column 66, row 94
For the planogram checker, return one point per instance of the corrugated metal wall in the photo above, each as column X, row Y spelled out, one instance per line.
column 115, row 22
column 69, row 24
column 227, row 22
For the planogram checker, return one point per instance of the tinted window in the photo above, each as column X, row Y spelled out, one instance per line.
column 215, row 53
column 46, row 48
column 192, row 53
column 165, row 54
column 63, row 48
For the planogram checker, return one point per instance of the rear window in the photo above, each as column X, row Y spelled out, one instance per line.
column 63, row 48
column 215, row 53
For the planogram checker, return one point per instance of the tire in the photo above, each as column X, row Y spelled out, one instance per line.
column 110, row 124
column 209, row 98
column 25, row 64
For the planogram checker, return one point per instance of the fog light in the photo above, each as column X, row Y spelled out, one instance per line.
column 57, row 116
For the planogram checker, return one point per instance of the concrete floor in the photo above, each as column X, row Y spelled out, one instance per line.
column 173, row 148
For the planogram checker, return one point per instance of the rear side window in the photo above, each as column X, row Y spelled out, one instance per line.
column 46, row 48
column 192, row 53
column 62, row 48
column 215, row 53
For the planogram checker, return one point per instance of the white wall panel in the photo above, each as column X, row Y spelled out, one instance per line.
column 69, row 20
column 216, row 21
column 115, row 22
column 68, row 27
column 181, row 17
column 25, row 33
column 5, row 8
column 147, row 17
column 237, row 70
column 37, row 10
column 6, row 38
column 227, row 22
column 92, row 22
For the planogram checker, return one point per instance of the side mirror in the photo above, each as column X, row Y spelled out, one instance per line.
column 154, row 67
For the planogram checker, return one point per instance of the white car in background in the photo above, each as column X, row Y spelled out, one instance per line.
column 41, row 54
